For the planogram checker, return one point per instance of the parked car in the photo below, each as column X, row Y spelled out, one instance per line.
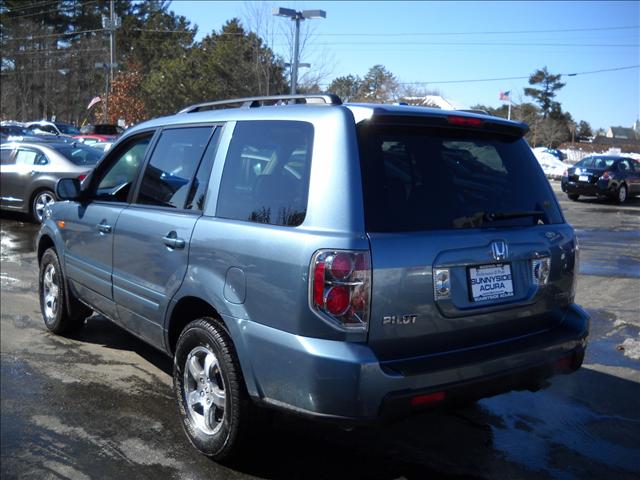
column 343, row 262
column 613, row 177
column 93, row 139
column 103, row 146
column 29, row 172
column 60, row 129
column 105, row 130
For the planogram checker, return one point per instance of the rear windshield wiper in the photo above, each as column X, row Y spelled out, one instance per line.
column 478, row 218
column 493, row 216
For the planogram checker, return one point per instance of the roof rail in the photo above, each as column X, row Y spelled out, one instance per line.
column 253, row 102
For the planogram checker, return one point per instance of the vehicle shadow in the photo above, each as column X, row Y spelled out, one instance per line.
column 587, row 421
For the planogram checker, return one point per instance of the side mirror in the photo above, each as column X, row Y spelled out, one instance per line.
column 68, row 189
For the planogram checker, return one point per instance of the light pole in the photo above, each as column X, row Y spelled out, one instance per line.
column 297, row 17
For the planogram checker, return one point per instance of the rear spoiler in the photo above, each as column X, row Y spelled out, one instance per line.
column 470, row 123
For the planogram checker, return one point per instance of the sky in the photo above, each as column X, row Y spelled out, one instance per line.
column 447, row 44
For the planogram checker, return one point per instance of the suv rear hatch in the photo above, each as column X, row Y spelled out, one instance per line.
column 465, row 203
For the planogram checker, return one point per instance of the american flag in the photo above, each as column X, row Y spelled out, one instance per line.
column 93, row 101
column 504, row 96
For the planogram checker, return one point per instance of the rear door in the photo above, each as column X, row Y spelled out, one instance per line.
column 152, row 235
column 472, row 209
column 7, row 178
column 18, row 175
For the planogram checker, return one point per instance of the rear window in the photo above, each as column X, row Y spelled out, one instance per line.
column 81, row 155
column 424, row 178
column 67, row 129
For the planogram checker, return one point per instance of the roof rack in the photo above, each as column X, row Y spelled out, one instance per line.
column 253, row 102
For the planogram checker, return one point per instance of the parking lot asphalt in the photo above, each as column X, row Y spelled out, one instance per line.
column 99, row 404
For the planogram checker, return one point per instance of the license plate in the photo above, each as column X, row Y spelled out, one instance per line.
column 583, row 178
column 490, row 282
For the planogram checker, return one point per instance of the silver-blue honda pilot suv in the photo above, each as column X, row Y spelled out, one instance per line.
column 346, row 262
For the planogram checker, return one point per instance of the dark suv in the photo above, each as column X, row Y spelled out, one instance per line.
column 345, row 262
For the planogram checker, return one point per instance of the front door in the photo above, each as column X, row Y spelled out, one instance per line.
column 89, row 225
column 152, row 235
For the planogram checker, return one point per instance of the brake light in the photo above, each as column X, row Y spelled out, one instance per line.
column 606, row 176
column 82, row 177
column 341, row 287
column 465, row 121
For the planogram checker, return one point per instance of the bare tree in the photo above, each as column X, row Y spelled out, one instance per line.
column 280, row 32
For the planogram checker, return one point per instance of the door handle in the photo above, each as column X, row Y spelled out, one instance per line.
column 103, row 228
column 172, row 240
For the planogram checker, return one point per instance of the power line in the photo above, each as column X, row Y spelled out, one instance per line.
column 45, row 3
column 77, row 32
column 510, row 32
column 485, row 44
column 477, row 80
column 58, row 9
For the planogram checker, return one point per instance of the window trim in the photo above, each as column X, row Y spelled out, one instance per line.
column 140, row 174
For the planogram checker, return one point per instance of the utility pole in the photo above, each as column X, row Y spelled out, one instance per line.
column 297, row 17
column 112, row 42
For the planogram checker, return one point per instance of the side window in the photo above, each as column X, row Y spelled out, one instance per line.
column 266, row 173
column 5, row 157
column 115, row 182
column 41, row 159
column 173, row 164
column 198, row 190
column 26, row 157
column 624, row 166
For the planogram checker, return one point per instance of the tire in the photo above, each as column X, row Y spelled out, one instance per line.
column 209, row 388
column 61, row 312
column 573, row 196
column 40, row 200
column 622, row 194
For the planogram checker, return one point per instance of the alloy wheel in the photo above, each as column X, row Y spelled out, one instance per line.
column 43, row 200
column 50, row 293
column 204, row 390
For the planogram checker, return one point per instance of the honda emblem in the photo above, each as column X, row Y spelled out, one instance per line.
column 499, row 250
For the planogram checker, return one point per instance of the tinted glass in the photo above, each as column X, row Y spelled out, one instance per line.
column 115, row 182
column 603, row 162
column 585, row 163
column 198, row 190
column 173, row 163
column 266, row 173
column 420, row 178
column 5, row 156
column 81, row 155
column 106, row 130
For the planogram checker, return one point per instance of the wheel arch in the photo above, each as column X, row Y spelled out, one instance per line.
column 188, row 308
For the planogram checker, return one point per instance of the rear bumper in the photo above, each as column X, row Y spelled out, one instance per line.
column 601, row 187
column 344, row 381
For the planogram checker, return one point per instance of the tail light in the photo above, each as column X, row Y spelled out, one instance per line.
column 606, row 176
column 340, row 287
